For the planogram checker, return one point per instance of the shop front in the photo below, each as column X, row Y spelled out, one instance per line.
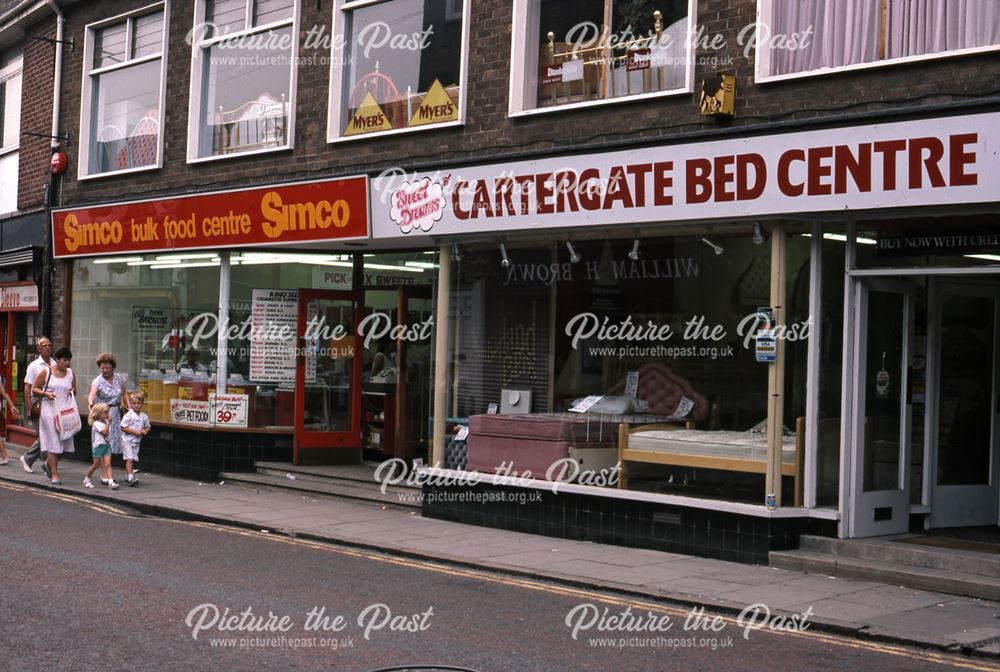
column 692, row 347
column 250, row 324
column 708, row 347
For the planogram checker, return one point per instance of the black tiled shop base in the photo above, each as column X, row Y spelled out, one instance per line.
column 607, row 520
column 200, row 454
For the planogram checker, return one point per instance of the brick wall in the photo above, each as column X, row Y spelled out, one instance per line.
column 488, row 133
column 7, row 5
column 36, row 115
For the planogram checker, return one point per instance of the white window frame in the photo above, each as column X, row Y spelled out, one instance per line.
column 86, row 88
column 337, row 59
column 198, row 50
column 12, row 70
column 762, row 67
column 519, row 38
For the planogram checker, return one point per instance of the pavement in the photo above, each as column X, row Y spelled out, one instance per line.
column 855, row 608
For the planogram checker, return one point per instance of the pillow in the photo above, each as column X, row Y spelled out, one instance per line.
column 612, row 405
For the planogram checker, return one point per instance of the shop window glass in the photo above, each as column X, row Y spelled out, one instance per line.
column 558, row 332
column 575, row 51
column 271, row 391
column 137, row 308
column 830, row 331
column 148, row 310
column 401, row 66
column 242, row 91
column 797, row 289
column 122, row 94
column 819, row 34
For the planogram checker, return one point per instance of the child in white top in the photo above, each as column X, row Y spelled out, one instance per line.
column 135, row 425
column 99, row 428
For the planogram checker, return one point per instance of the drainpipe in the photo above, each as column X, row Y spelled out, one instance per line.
column 57, row 78
column 51, row 194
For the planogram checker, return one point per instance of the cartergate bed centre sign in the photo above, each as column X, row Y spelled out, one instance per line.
column 327, row 210
column 913, row 163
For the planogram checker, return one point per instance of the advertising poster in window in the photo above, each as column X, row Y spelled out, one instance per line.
column 229, row 410
column 190, row 412
column 273, row 318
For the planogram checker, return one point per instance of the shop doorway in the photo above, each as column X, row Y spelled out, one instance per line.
column 328, row 377
column 396, row 390
column 964, row 468
column 880, row 483
column 926, row 407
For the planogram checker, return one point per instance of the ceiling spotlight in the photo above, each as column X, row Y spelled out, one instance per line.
column 504, row 258
column 634, row 252
column 455, row 254
column 715, row 248
column 758, row 234
column 574, row 258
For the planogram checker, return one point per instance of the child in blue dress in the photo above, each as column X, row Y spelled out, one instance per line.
column 98, row 419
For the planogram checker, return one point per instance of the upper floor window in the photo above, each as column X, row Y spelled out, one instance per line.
column 397, row 65
column 10, row 100
column 243, row 77
column 123, row 91
column 10, row 127
column 581, row 52
column 804, row 36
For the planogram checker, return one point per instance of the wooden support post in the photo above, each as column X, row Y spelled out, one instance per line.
column 441, row 356
column 776, row 372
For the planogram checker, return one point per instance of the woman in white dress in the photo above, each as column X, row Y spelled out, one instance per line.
column 56, row 385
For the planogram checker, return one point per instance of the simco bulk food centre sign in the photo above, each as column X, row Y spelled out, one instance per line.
column 913, row 163
column 323, row 210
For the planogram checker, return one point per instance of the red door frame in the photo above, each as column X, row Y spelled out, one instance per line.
column 350, row 439
column 8, row 366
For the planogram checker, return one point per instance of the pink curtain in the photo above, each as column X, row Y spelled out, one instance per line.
column 917, row 27
column 843, row 32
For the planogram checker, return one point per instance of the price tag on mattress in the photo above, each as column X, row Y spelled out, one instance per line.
column 632, row 384
column 462, row 434
column 586, row 404
column 684, row 408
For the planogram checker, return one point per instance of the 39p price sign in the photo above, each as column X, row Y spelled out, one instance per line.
column 229, row 410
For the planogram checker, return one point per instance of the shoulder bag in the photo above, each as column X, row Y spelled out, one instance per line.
column 36, row 406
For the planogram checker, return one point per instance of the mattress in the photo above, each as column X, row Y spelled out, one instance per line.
column 730, row 444
column 533, row 443
column 572, row 427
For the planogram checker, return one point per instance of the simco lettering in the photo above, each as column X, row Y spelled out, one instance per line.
column 91, row 234
column 280, row 217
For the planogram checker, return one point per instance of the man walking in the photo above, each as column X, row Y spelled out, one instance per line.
column 37, row 366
